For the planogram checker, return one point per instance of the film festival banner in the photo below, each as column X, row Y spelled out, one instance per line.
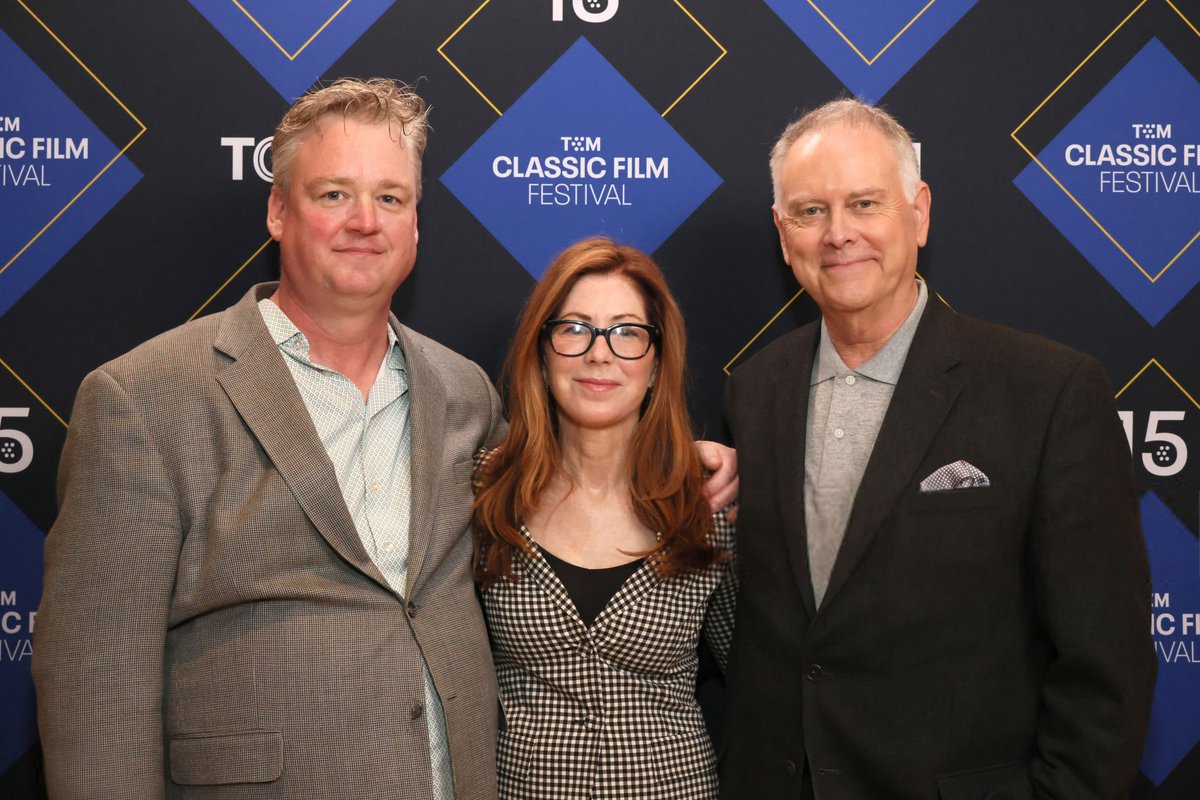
column 1061, row 142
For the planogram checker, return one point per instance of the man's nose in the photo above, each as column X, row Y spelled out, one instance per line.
column 841, row 228
column 363, row 216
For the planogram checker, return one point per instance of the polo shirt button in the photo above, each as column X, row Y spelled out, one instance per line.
column 814, row 672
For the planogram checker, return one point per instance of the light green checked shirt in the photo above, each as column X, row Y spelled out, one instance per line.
column 370, row 446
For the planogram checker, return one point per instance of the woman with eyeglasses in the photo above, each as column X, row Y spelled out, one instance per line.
column 599, row 562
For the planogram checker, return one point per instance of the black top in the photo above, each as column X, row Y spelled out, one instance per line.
column 590, row 589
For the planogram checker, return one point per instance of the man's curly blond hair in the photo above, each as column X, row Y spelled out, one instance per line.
column 373, row 101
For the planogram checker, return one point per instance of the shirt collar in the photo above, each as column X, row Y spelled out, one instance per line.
column 885, row 366
column 289, row 338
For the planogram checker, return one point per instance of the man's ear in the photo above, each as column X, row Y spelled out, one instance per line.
column 779, row 227
column 275, row 209
column 921, row 204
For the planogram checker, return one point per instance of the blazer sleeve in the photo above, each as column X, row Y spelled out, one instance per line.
column 110, row 564
column 497, row 425
column 1092, row 585
column 717, row 630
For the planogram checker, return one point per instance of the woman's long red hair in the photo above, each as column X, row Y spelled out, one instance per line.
column 665, row 474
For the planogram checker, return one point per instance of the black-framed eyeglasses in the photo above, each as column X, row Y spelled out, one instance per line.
column 573, row 337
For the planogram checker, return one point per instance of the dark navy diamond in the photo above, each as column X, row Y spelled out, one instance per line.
column 870, row 44
column 1135, row 222
column 291, row 44
column 59, row 175
column 580, row 153
column 21, row 584
column 1175, row 567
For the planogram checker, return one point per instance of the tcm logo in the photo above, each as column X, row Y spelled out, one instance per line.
column 586, row 10
column 246, row 148
column 579, row 144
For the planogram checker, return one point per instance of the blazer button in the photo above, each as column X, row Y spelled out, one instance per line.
column 789, row 767
column 416, row 711
column 410, row 608
column 814, row 672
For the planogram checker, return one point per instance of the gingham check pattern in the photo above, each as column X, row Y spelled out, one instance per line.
column 607, row 711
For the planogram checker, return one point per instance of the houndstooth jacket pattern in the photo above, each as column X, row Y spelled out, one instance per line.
column 607, row 711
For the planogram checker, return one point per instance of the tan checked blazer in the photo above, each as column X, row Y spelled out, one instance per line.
column 212, row 625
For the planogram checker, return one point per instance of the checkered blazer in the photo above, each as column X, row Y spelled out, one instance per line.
column 607, row 711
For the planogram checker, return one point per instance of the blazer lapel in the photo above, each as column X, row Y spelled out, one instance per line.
column 262, row 390
column 791, row 414
column 629, row 594
column 924, row 396
column 427, row 421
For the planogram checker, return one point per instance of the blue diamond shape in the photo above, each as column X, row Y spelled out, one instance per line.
column 20, row 574
column 642, row 179
column 36, row 186
column 870, row 44
column 292, row 44
column 1152, row 227
column 1175, row 567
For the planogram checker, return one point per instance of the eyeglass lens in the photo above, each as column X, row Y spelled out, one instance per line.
column 575, row 339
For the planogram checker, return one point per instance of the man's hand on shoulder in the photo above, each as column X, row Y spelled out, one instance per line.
column 721, row 488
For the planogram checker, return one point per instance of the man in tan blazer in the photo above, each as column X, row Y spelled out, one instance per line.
column 221, row 617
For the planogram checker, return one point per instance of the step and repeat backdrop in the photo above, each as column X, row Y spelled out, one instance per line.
column 1061, row 141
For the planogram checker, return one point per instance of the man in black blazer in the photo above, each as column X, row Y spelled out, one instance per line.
column 945, row 591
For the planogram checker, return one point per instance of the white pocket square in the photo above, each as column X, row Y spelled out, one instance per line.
column 959, row 475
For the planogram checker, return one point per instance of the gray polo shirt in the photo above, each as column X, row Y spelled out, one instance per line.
column 845, row 410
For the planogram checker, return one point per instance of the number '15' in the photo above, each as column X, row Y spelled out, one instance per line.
column 1158, row 461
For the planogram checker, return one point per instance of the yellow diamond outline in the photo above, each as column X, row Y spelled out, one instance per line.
column 1154, row 362
column 103, row 169
column 141, row 130
column 282, row 49
column 229, row 280
column 870, row 62
column 784, row 308
column 500, row 113
column 1152, row 278
column 36, row 396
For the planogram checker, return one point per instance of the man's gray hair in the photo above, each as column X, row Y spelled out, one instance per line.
column 852, row 113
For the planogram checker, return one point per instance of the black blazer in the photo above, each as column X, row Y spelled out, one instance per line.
column 982, row 642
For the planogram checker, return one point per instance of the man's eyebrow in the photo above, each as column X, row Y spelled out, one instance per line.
column 340, row 180
column 799, row 203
